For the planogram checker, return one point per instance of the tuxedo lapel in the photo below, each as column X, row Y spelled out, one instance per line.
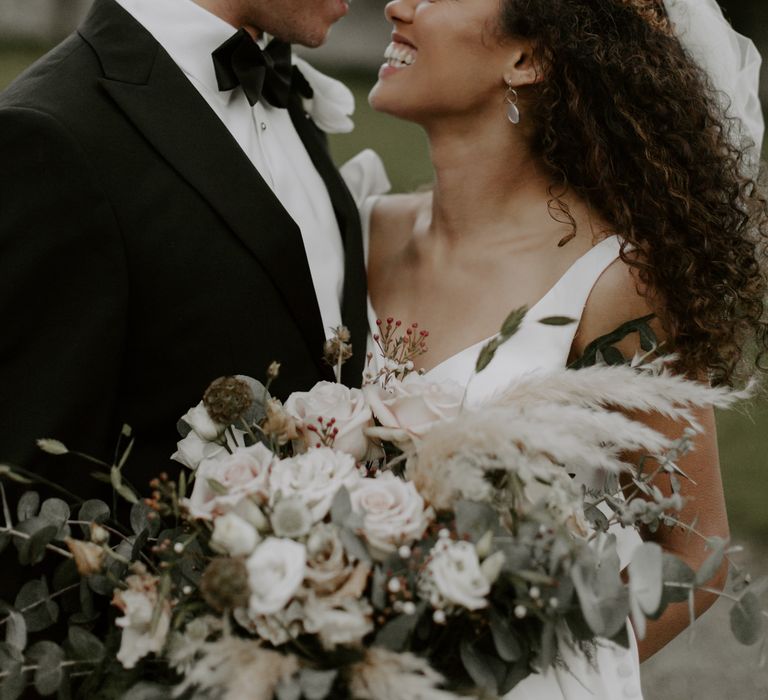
column 354, row 307
column 163, row 105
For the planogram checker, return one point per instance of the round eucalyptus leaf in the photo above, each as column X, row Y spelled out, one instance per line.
column 85, row 646
column 747, row 619
column 48, row 657
column 33, row 601
column 28, row 505
column 16, row 630
column 93, row 511
column 646, row 582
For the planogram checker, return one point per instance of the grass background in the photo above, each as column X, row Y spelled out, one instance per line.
column 743, row 434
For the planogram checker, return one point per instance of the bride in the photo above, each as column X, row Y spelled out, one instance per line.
column 584, row 167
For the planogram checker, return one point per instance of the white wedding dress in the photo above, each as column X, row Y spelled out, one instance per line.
column 613, row 673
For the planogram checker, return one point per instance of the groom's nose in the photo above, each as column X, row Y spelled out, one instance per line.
column 400, row 10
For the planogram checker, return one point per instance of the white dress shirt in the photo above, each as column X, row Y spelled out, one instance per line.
column 190, row 34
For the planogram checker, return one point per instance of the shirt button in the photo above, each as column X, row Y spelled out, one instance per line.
column 263, row 126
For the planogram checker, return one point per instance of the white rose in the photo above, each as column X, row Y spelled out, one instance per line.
column 393, row 512
column 332, row 103
column 234, row 536
column 338, row 620
column 137, row 604
column 331, row 401
column 454, row 577
column 192, row 450
column 275, row 571
column 314, row 478
column 415, row 404
column 328, row 567
column 245, row 473
column 201, row 423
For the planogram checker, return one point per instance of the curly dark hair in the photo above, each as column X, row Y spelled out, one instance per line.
column 627, row 120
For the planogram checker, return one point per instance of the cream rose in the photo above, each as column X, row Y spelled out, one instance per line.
column 234, row 536
column 220, row 484
column 453, row 577
column 338, row 620
column 314, row 478
column 328, row 567
column 275, row 571
column 192, row 450
column 200, row 422
column 393, row 512
column 329, row 401
column 415, row 404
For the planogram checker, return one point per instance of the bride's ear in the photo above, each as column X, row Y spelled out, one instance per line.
column 523, row 67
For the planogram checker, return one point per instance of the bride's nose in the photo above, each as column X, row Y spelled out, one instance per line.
column 399, row 11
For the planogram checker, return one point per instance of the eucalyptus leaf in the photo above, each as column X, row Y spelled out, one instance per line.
column 646, row 580
column 33, row 601
column 28, row 505
column 480, row 667
column 504, row 639
column 604, row 599
column 16, row 630
column 474, row 519
column 13, row 684
column 378, row 589
column 5, row 540
column 341, row 507
column 747, row 619
column 548, row 646
column 713, row 562
column 596, row 518
column 85, row 646
column 354, row 546
column 57, row 513
column 33, row 550
column 93, row 511
column 396, row 633
column 139, row 519
column 316, row 685
column 48, row 658
column 675, row 570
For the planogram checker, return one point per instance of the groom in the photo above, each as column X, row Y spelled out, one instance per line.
column 166, row 219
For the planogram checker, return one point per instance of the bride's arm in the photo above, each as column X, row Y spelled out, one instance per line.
column 613, row 301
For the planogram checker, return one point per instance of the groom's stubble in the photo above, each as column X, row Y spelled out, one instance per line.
column 305, row 22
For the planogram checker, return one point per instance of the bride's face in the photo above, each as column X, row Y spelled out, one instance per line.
column 445, row 59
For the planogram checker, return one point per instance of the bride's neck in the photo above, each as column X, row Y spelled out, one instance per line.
column 487, row 183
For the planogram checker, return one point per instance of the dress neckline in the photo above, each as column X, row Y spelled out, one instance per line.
column 612, row 240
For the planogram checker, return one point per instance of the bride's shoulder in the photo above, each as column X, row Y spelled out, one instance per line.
column 619, row 296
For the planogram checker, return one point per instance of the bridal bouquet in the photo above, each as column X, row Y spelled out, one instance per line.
column 387, row 542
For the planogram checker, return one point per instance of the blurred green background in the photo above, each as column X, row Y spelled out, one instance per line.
column 743, row 433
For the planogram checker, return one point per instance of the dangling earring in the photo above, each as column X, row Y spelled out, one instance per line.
column 513, row 113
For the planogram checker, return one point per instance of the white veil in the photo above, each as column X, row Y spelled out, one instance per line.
column 730, row 59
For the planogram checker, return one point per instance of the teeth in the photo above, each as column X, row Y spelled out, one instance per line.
column 399, row 55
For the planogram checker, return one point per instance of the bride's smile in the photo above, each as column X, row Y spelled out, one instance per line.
column 444, row 57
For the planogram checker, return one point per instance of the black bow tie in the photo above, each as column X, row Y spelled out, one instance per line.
column 268, row 73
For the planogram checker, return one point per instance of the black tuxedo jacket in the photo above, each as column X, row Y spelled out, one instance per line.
column 142, row 255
